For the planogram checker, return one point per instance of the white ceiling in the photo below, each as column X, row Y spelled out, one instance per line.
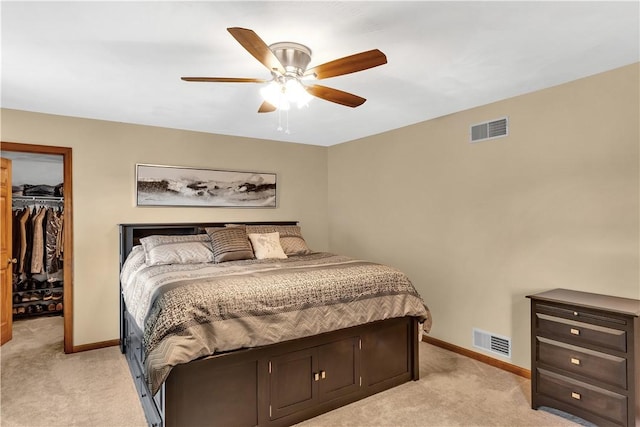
column 122, row 61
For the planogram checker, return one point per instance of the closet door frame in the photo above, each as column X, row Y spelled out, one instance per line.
column 67, row 263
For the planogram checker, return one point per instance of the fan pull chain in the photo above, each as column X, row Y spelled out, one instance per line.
column 287, row 130
column 279, row 120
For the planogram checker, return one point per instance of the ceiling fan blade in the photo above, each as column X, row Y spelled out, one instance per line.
column 223, row 79
column 266, row 108
column 335, row 95
column 257, row 47
column 348, row 64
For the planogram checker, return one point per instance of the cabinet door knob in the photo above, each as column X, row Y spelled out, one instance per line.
column 323, row 374
column 575, row 361
column 575, row 331
column 316, row 376
column 576, row 395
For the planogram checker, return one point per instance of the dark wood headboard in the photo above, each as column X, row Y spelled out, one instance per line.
column 130, row 234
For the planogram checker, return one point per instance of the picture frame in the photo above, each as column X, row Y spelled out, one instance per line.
column 159, row 185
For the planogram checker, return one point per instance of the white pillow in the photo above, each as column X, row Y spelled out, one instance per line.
column 290, row 237
column 267, row 245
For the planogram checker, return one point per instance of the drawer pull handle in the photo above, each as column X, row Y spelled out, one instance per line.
column 576, row 395
column 575, row 331
column 575, row 361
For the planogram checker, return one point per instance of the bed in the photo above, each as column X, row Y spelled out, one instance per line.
column 240, row 341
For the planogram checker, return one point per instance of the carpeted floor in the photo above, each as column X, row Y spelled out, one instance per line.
column 41, row 386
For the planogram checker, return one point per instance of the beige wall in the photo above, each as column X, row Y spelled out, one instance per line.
column 104, row 158
column 477, row 227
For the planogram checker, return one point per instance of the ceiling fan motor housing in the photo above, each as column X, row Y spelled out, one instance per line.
column 294, row 57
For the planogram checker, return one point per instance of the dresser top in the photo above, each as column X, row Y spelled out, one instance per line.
column 620, row 305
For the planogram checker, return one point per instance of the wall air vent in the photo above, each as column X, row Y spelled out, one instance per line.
column 490, row 130
column 492, row 343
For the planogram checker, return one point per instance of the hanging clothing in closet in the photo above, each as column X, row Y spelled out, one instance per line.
column 53, row 241
column 37, row 282
column 37, row 243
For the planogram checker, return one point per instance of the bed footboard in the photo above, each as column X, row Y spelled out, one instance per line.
column 280, row 384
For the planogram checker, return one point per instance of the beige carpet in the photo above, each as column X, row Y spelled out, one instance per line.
column 41, row 386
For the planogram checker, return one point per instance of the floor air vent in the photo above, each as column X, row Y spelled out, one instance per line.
column 489, row 130
column 492, row 343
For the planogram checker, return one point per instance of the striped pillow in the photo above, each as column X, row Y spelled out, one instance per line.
column 189, row 249
column 230, row 244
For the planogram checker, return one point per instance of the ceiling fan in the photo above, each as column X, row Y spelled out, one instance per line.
column 287, row 62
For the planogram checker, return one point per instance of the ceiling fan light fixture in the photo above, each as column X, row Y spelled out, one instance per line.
column 282, row 94
column 273, row 93
column 296, row 93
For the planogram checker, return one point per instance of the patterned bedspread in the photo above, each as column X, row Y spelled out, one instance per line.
column 188, row 311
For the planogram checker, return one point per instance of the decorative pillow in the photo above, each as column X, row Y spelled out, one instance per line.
column 229, row 244
column 189, row 249
column 266, row 245
column 291, row 238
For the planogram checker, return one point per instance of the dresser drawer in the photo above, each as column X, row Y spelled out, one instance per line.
column 587, row 363
column 579, row 314
column 606, row 404
column 580, row 333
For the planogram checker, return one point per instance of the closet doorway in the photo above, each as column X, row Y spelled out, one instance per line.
column 64, row 201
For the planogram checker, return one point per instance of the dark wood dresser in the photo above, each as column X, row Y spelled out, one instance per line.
column 585, row 356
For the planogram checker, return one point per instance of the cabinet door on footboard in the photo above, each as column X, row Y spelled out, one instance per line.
column 339, row 369
column 292, row 382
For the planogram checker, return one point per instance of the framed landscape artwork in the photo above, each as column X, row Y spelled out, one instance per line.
column 183, row 186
